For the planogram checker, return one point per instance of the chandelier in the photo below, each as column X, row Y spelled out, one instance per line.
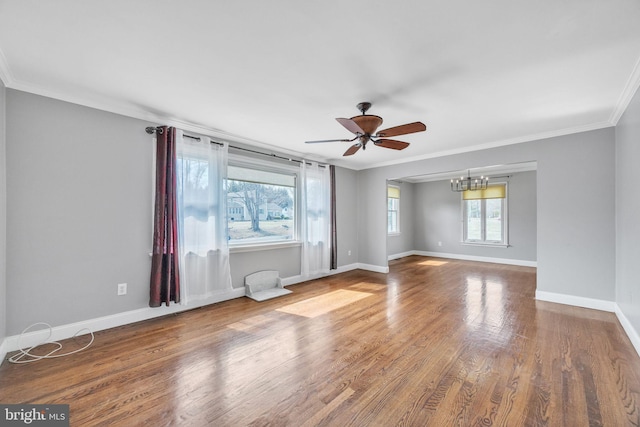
column 469, row 184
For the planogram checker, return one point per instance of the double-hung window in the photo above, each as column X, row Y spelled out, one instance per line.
column 261, row 204
column 484, row 214
column 393, row 209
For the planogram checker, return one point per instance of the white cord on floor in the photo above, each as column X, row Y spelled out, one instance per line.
column 24, row 353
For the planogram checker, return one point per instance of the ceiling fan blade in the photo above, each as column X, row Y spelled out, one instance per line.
column 328, row 140
column 402, row 129
column 352, row 150
column 391, row 143
column 351, row 126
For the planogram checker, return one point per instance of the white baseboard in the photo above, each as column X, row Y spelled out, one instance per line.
column 299, row 278
column 359, row 266
column 374, row 268
column 401, row 255
column 15, row 342
column 507, row 261
column 292, row 280
column 628, row 329
column 595, row 304
column 345, row 268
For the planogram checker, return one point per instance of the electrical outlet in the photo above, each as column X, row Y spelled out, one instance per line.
column 439, row 243
column 349, row 253
column 122, row 288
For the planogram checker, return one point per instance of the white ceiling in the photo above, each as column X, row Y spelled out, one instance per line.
column 277, row 73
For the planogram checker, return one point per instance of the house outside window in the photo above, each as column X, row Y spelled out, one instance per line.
column 393, row 209
column 261, row 204
column 484, row 216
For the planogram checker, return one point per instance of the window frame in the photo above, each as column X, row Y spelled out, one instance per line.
column 273, row 167
column 397, row 211
column 483, row 221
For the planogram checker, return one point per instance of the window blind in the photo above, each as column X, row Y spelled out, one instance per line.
column 393, row 192
column 496, row 191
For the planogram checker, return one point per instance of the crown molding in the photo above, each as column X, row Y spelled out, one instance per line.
column 140, row 113
column 630, row 89
column 499, row 143
column 153, row 118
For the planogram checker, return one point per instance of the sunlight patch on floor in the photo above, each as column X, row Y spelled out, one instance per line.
column 323, row 304
column 364, row 286
column 433, row 263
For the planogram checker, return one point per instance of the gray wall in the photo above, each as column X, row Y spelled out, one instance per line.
column 627, row 213
column 78, row 212
column 244, row 263
column 575, row 236
column 405, row 241
column 3, row 215
column 79, row 184
column 438, row 219
column 347, row 216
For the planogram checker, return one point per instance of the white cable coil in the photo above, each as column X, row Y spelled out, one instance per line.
column 25, row 355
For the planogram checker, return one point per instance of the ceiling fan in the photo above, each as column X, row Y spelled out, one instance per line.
column 364, row 127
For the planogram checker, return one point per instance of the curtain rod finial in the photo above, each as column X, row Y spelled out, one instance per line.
column 151, row 130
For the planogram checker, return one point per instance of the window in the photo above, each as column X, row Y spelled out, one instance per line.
column 484, row 214
column 260, row 204
column 393, row 210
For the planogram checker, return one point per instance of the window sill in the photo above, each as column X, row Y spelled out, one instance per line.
column 264, row 246
column 490, row 245
column 393, row 234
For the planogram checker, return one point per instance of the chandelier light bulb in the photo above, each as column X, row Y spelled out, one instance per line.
column 469, row 183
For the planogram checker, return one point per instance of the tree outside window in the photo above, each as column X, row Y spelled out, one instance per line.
column 260, row 205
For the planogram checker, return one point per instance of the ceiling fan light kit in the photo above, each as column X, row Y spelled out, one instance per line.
column 364, row 127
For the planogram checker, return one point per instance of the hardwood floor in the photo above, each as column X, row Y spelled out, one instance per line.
column 434, row 342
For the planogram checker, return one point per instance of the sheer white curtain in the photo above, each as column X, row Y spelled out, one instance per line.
column 315, row 219
column 202, row 235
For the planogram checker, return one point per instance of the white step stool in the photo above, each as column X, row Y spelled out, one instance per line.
column 264, row 285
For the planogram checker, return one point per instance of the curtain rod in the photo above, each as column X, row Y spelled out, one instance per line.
column 151, row 130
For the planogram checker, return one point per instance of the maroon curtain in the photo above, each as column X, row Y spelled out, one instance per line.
column 334, row 232
column 165, row 283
